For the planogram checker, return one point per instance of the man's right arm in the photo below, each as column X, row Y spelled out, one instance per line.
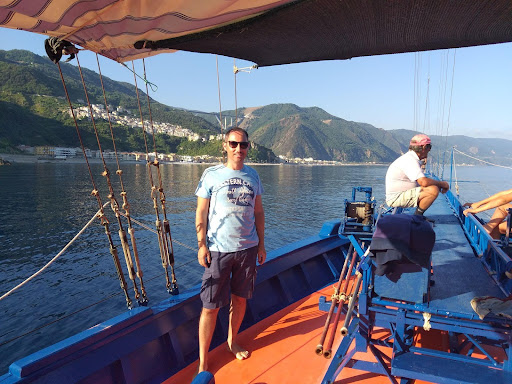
column 426, row 182
column 203, row 255
column 489, row 199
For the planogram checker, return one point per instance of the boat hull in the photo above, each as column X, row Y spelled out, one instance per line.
column 151, row 344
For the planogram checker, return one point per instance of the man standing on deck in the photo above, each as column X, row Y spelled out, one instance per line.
column 406, row 184
column 230, row 226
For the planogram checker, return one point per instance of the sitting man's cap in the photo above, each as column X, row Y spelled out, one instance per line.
column 420, row 139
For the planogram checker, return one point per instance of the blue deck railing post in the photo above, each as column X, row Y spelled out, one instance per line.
column 451, row 167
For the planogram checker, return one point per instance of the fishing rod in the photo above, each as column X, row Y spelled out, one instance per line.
column 320, row 347
column 126, row 206
column 167, row 238
column 113, row 200
column 341, row 300
column 362, row 265
column 101, row 213
column 163, row 229
column 351, row 303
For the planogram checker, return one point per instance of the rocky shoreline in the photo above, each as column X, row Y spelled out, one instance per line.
column 16, row 158
column 31, row 159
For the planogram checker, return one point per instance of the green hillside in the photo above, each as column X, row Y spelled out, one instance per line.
column 293, row 131
column 35, row 111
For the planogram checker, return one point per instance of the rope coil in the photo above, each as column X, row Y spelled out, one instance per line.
column 426, row 324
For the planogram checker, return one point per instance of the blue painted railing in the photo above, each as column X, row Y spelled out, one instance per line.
column 495, row 260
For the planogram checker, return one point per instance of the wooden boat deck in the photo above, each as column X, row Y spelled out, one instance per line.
column 276, row 344
column 283, row 345
column 282, row 351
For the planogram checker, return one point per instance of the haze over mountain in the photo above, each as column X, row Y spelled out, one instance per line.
column 34, row 112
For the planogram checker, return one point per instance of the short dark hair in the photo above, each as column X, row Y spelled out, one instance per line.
column 236, row 129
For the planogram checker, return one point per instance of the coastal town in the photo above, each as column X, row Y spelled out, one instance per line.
column 122, row 116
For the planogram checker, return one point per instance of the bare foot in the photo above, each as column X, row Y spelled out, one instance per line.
column 239, row 352
column 200, row 368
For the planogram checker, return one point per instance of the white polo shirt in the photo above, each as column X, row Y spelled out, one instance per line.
column 403, row 174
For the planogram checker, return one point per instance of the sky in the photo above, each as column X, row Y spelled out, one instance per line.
column 464, row 91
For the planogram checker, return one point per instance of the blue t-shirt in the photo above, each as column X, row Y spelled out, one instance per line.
column 232, row 194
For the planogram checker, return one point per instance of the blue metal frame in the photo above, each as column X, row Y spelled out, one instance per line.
column 403, row 320
column 496, row 261
column 490, row 251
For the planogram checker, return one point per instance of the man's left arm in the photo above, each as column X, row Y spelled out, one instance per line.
column 259, row 221
column 426, row 181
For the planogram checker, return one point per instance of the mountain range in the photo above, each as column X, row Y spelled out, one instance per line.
column 33, row 105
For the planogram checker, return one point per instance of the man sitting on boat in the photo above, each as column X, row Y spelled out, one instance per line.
column 406, row 184
column 502, row 201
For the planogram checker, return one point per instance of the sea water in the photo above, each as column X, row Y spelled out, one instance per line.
column 43, row 206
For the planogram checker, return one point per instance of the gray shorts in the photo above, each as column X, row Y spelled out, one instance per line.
column 406, row 199
column 232, row 271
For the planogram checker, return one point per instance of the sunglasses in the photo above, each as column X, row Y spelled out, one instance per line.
column 243, row 144
column 428, row 146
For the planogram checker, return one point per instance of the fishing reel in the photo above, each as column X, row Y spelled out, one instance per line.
column 359, row 214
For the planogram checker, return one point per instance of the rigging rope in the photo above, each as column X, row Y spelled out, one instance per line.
column 65, row 248
column 218, row 88
column 474, row 158
column 153, row 86
column 81, row 309
column 56, row 256
column 235, row 71
column 126, row 207
column 101, row 216
column 482, row 161
column 113, row 203
column 441, row 88
column 166, row 225
column 426, row 127
column 449, row 108
column 222, row 128
column 451, row 95
column 416, row 75
column 455, row 174
column 162, row 238
column 155, row 232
